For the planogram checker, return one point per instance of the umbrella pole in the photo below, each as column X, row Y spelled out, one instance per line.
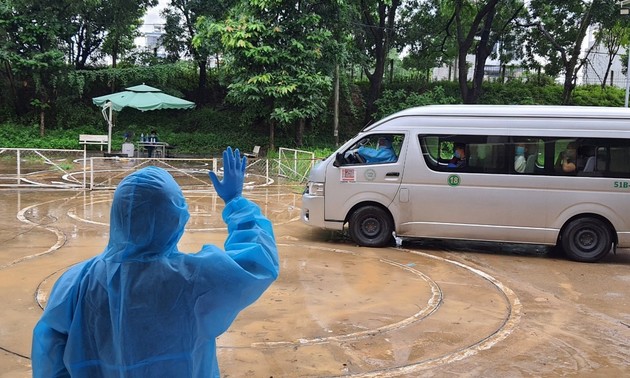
column 109, row 127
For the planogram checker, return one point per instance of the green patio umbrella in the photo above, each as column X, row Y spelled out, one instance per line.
column 141, row 97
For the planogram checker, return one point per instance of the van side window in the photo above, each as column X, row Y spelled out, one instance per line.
column 484, row 154
column 528, row 158
column 590, row 157
column 620, row 160
column 527, row 155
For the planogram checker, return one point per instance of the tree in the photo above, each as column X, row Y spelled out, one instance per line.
column 375, row 35
column 274, row 49
column 336, row 17
column 125, row 16
column 423, row 32
column 7, row 30
column 182, row 17
column 89, row 25
column 612, row 33
column 556, row 33
column 30, row 50
column 174, row 35
column 442, row 30
column 481, row 35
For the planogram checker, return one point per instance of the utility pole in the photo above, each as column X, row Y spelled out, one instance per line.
column 625, row 10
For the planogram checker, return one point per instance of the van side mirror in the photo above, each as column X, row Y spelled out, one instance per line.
column 339, row 160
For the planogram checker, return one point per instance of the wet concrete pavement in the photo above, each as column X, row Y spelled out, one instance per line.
column 428, row 309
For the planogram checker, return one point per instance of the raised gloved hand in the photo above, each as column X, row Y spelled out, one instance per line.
column 233, row 175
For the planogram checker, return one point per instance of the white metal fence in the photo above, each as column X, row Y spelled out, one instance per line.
column 74, row 169
column 295, row 164
column 24, row 167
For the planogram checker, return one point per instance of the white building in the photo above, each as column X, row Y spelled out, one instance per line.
column 593, row 72
column 150, row 39
column 492, row 71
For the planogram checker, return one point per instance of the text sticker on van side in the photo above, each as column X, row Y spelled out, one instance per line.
column 622, row 184
column 348, row 175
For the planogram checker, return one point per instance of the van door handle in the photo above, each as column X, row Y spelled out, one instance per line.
column 392, row 174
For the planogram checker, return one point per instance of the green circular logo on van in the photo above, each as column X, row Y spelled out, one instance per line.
column 454, row 180
column 370, row 174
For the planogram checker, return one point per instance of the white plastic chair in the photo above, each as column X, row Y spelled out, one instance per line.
column 254, row 153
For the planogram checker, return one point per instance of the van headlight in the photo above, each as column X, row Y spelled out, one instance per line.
column 314, row 189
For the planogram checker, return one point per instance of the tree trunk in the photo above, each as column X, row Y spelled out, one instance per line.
column 376, row 81
column 115, row 54
column 381, row 29
column 391, row 71
column 272, row 137
column 462, row 72
column 571, row 64
column 300, row 133
column 9, row 71
column 568, row 87
column 336, row 107
column 203, row 80
column 114, row 59
column 42, row 124
column 610, row 62
column 484, row 47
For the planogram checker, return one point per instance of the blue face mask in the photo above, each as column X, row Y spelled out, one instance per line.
column 520, row 150
column 457, row 154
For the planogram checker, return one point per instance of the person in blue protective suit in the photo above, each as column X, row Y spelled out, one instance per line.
column 384, row 153
column 144, row 309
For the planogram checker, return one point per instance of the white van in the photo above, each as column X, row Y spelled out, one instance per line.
column 525, row 174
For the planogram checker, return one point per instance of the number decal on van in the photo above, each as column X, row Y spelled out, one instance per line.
column 622, row 184
column 454, row 180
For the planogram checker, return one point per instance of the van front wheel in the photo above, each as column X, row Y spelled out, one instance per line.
column 586, row 239
column 371, row 226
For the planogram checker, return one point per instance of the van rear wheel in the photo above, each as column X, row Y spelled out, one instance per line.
column 586, row 239
column 371, row 226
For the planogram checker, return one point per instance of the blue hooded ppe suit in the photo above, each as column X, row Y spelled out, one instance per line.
column 383, row 154
column 144, row 309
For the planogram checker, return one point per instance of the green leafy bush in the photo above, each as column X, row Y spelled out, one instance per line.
column 207, row 130
column 394, row 101
column 597, row 96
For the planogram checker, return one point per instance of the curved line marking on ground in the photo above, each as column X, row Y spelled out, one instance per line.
column 72, row 213
column 502, row 332
column 267, row 181
column 432, row 305
column 61, row 237
column 59, row 185
column 488, row 342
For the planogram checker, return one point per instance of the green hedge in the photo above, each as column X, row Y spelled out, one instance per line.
column 207, row 130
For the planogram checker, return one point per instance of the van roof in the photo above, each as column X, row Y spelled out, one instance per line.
column 520, row 111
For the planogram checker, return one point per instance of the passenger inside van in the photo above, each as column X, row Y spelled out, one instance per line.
column 459, row 156
column 567, row 160
column 520, row 163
